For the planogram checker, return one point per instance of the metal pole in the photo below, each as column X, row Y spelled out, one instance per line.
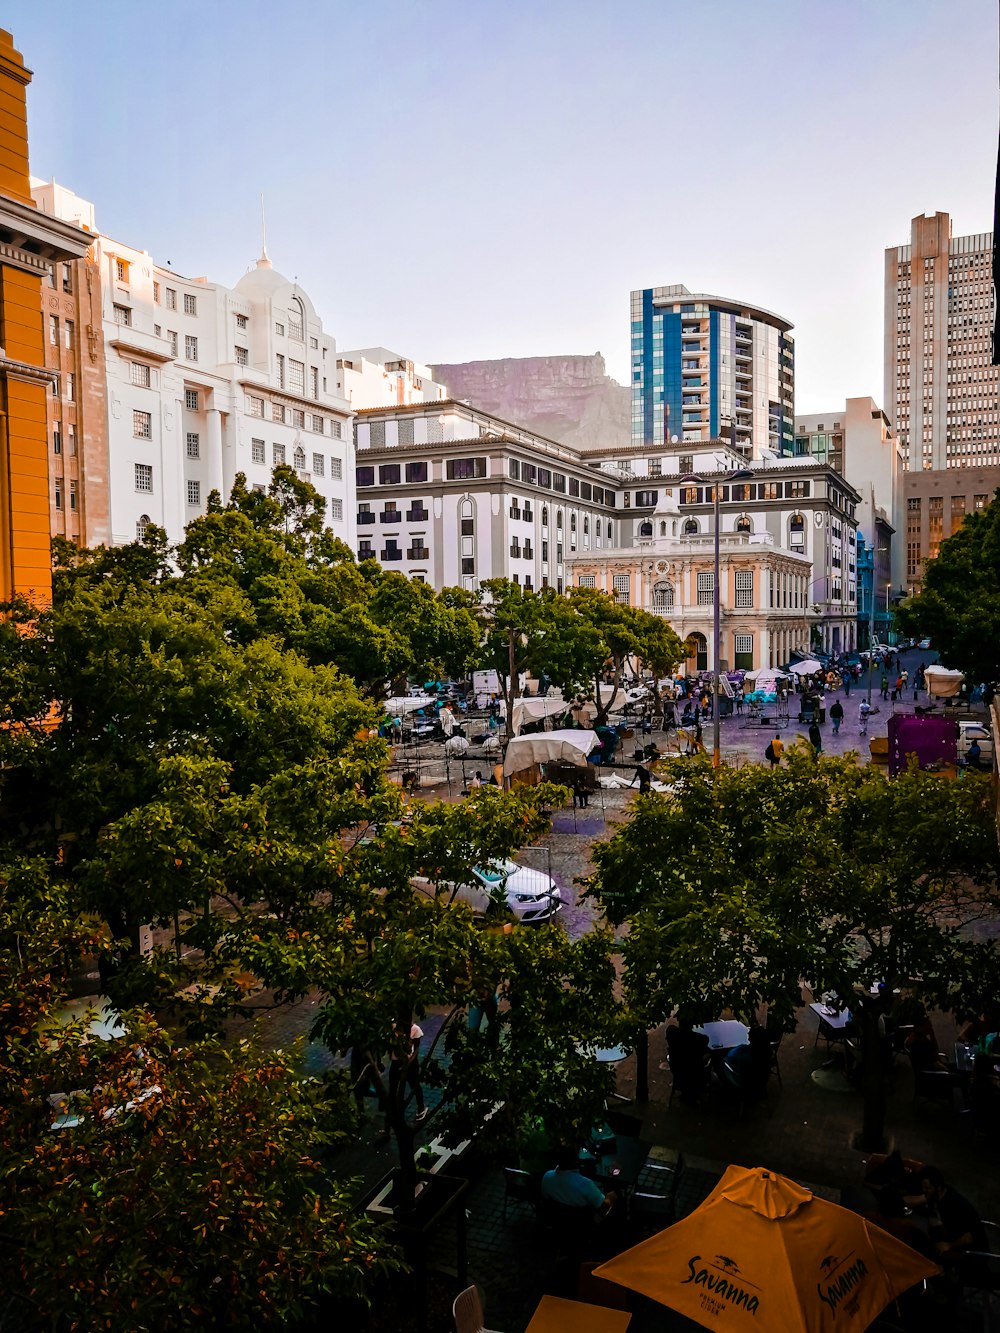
column 717, row 634
column 871, row 625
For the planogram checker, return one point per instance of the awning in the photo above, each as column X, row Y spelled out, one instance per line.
column 535, row 709
column 572, row 747
column 399, row 705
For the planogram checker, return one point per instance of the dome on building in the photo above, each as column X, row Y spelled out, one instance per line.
column 262, row 281
column 667, row 504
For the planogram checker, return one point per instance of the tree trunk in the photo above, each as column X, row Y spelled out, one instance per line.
column 873, row 1076
column 642, row 1067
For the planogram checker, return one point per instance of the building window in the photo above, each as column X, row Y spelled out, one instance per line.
column 299, row 459
column 56, row 439
column 388, row 474
column 464, row 469
column 193, row 444
column 171, row 298
column 190, row 304
column 318, row 465
column 71, row 432
column 72, row 495
column 468, row 565
column 255, row 406
column 277, row 454
column 298, row 417
column 691, row 527
column 59, row 493
column 143, row 477
column 67, row 278
column 279, row 328
column 336, row 469
column 314, row 381
column 744, row 524
column 796, row 531
column 191, row 402
column 190, row 347
column 241, row 321
column 277, row 412
column 142, row 523
column 194, row 492
column 622, row 584
column 797, row 490
column 337, row 509
column 296, row 320
column 743, row 652
column 336, row 430
column 139, row 374
column 257, row 451
column 296, row 376
column 123, row 315
column 142, row 425
column 69, row 334
column 663, row 596
column 241, row 356
column 54, row 330
column 744, row 588
column 980, row 501
column 957, row 512
column 364, row 476
column 706, row 589
column 172, row 336
column 318, row 425
column 279, row 369
column 121, row 270
column 646, row 499
column 585, row 581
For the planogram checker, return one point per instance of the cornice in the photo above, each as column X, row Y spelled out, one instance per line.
column 23, row 370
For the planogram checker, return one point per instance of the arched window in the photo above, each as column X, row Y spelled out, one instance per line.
column 545, row 516
column 597, row 527
column 797, row 531
column 141, row 526
column 296, row 319
column 586, row 524
column 743, row 523
column 467, row 508
column 558, row 518
column 645, row 529
column 691, row 527
column 663, row 529
column 300, row 459
column 572, row 523
column 663, row 596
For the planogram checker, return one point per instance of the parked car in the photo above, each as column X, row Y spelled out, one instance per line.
column 531, row 895
column 924, row 645
column 970, row 731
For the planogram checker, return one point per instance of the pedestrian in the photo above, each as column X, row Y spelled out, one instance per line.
column 775, row 749
column 863, row 711
column 847, row 683
column 477, row 779
column 410, row 1074
column 904, row 676
column 885, row 686
column 836, row 715
column 645, row 780
column 739, row 702
column 816, row 738
column 581, row 796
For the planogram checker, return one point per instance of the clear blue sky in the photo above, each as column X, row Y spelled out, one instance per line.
column 458, row 179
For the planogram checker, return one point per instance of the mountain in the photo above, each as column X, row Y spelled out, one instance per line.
column 567, row 398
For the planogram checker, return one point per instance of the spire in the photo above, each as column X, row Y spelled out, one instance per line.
column 263, row 261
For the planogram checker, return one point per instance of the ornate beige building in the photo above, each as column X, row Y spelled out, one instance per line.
column 764, row 600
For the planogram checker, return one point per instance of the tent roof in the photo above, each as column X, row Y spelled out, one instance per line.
column 542, row 748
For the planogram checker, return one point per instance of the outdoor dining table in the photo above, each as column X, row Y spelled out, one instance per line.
column 618, row 1169
column 835, row 1019
column 555, row 1314
column 725, row 1034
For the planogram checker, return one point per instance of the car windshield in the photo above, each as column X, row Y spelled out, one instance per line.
column 496, row 871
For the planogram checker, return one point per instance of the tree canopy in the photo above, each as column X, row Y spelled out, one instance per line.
column 958, row 606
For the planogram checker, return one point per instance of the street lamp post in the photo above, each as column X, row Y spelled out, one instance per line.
column 740, row 474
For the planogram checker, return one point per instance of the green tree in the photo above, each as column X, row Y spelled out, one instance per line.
column 958, row 606
column 620, row 633
column 185, row 1189
column 742, row 882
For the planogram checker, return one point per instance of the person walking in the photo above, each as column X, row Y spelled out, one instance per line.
column 644, row 777
column 885, row 686
column 863, row 711
column 847, row 683
column 410, row 1073
column 816, row 738
column 837, row 714
column 775, row 749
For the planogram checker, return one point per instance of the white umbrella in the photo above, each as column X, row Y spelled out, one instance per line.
column 401, row 704
column 456, row 747
column 807, row 668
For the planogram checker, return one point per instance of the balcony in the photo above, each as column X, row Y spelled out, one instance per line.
column 365, row 553
column 365, row 518
column 390, row 553
column 391, row 516
column 418, row 553
column 416, row 516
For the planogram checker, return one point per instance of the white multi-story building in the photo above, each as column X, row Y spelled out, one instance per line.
column 454, row 496
column 941, row 390
column 376, row 377
column 205, row 382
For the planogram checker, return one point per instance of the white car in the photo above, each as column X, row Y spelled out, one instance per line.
column 531, row 895
column 924, row 645
column 975, row 731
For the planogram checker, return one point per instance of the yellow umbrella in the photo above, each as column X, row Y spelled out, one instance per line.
column 766, row 1254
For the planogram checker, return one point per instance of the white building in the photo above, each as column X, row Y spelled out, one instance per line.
column 376, row 377
column 453, row 496
column 205, row 381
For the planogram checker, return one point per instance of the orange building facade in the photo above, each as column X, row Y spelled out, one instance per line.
column 30, row 244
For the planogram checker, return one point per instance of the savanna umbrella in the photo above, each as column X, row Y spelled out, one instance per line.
column 766, row 1254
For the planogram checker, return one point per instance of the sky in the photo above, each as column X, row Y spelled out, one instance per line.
column 460, row 179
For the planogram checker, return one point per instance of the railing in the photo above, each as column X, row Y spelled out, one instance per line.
column 394, row 554
column 365, row 517
column 418, row 553
column 391, row 516
column 416, row 516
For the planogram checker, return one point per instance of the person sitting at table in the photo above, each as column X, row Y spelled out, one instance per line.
column 687, row 1053
column 747, row 1068
column 566, row 1186
column 922, row 1046
column 954, row 1225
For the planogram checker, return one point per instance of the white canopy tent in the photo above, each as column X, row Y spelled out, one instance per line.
column 807, row 668
column 942, row 682
column 572, row 747
column 402, row 704
column 616, row 701
column 535, row 709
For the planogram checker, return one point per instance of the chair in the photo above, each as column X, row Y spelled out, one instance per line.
column 658, row 1207
column 521, row 1186
column 934, row 1085
column 467, row 1312
column 775, row 1035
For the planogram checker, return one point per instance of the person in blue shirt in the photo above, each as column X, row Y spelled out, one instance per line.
column 565, row 1185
